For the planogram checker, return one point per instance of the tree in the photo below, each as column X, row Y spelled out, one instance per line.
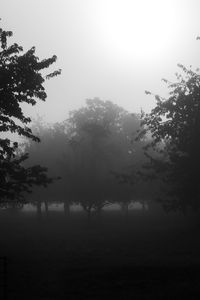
column 53, row 138
column 93, row 153
column 174, row 125
column 21, row 81
column 99, row 135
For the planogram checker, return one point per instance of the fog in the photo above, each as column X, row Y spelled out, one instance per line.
column 98, row 222
column 101, row 56
column 99, row 158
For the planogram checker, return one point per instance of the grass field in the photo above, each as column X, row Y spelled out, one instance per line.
column 142, row 257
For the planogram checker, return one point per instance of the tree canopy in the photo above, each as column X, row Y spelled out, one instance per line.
column 92, row 151
column 21, row 81
column 174, row 125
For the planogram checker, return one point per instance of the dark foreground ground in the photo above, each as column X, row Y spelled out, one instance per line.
column 144, row 257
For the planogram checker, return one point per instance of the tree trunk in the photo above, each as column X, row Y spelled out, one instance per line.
column 89, row 215
column 143, row 206
column 46, row 204
column 125, row 209
column 99, row 213
column 39, row 209
column 67, row 208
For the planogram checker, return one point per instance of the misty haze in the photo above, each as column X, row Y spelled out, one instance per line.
column 99, row 158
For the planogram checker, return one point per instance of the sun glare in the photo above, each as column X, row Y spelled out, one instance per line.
column 137, row 30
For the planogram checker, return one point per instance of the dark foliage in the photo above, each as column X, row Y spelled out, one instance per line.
column 174, row 126
column 21, row 81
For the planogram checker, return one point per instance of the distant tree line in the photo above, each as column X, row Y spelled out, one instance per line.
column 95, row 154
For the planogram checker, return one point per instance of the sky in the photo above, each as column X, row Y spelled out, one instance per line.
column 111, row 49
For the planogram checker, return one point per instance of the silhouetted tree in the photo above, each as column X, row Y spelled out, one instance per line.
column 100, row 140
column 88, row 151
column 21, row 81
column 174, row 125
column 48, row 153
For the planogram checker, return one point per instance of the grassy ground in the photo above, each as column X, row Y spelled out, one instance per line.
column 139, row 258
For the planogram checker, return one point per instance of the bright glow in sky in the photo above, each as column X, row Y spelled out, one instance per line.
column 138, row 31
column 112, row 49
